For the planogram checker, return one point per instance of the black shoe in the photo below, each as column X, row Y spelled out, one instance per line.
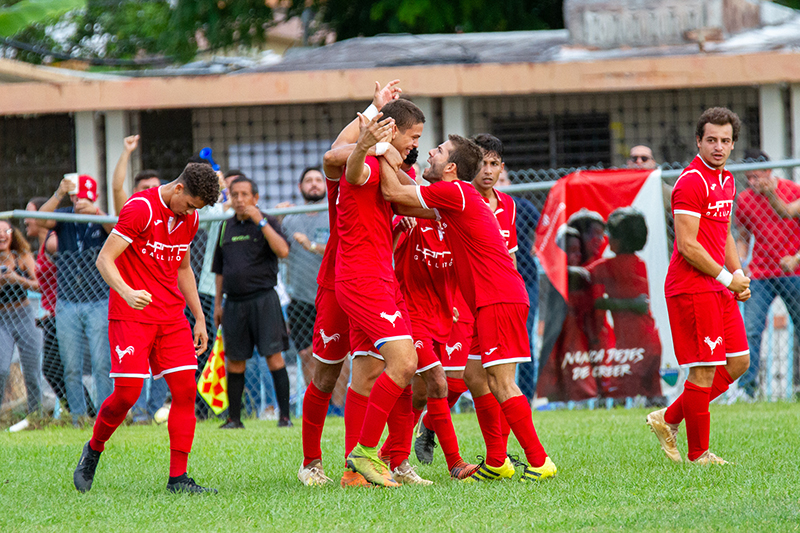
column 285, row 422
column 186, row 484
column 84, row 472
column 232, row 424
column 424, row 444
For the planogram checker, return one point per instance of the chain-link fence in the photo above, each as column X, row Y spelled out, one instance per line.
column 54, row 351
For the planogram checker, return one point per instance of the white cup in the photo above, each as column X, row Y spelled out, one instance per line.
column 73, row 177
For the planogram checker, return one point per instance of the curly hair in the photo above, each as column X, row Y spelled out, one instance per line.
column 201, row 182
column 627, row 225
column 718, row 116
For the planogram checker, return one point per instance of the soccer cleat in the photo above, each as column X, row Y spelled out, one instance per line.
column 485, row 472
column 666, row 433
column 709, row 458
column 285, row 422
column 406, row 475
column 532, row 473
column 84, row 472
column 232, row 424
column 462, row 470
column 365, row 461
column 187, row 485
column 385, row 458
column 354, row 479
column 312, row 474
column 424, row 443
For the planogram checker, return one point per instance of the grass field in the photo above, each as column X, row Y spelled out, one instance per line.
column 612, row 477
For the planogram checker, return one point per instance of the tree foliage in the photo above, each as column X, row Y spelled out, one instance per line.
column 351, row 18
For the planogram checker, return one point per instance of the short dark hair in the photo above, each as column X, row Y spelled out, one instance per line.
column 404, row 113
column 145, row 175
column 489, row 144
column 234, row 172
column 243, row 179
column 38, row 201
column 718, row 116
column 306, row 171
column 627, row 225
column 755, row 154
column 466, row 155
column 201, row 182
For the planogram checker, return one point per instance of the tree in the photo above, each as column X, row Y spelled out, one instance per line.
column 351, row 18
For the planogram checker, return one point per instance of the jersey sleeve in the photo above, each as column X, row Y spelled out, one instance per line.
column 442, row 195
column 689, row 197
column 374, row 170
column 135, row 217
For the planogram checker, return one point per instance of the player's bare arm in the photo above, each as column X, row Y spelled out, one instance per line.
column 733, row 263
column 371, row 133
column 743, row 245
column 188, row 287
column 277, row 243
column 129, row 144
column 393, row 191
column 686, row 229
column 380, row 98
column 112, row 249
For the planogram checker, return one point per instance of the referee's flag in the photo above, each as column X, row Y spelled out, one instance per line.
column 213, row 384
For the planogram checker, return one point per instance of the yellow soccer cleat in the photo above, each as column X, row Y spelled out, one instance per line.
column 365, row 461
column 538, row 473
column 665, row 433
column 491, row 473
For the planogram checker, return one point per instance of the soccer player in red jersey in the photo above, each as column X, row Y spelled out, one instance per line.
column 482, row 265
column 704, row 282
column 146, row 262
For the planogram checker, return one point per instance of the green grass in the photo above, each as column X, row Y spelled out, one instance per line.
column 612, row 477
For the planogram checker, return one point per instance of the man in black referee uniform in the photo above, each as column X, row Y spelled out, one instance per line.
column 246, row 265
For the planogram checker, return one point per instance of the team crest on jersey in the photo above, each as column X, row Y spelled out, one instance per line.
column 123, row 353
column 391, row 318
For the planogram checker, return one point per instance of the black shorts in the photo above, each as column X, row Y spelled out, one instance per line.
column 254, row 323
column 301, row 323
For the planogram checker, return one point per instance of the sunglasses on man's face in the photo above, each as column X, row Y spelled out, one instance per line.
column 642, row 158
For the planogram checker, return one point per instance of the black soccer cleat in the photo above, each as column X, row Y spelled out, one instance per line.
column 424, row 444
column 185, row 484
column 285, row 422
column 232, row 424
column 84, row 472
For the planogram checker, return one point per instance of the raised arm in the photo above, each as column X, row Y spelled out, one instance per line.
column 129, row 144
column 372, row 132
column 380, row 98
column 53, row 202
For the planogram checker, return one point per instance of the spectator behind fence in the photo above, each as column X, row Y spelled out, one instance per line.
column 82, row 306
column 146, row 179
column 52, row 368
column 308, row 234
column 246, row 264
column 527, row 220
column 641, row 157
column 774, row 269
column 17, row 319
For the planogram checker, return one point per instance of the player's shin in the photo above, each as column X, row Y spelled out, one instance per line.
column 114, row 409
column 182, row 421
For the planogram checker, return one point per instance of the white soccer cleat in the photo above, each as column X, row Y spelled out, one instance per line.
column 406, row 475
column 312, row 474
column 666, row 433
column 709, row 458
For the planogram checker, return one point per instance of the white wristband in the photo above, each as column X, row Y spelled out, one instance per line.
column 370, row 112
column 738, row 271
column 725, row 278
column 381, row 148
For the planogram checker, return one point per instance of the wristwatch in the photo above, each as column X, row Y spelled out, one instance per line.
column 262, row 223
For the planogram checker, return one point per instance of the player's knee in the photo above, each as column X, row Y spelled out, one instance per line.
column 436, row 382
column 326, row 376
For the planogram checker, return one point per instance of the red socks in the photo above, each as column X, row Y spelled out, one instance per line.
column 439, row 413
column 488, row 412
column 382, row 398
column 698, row 420
column 517, row 412
column 505, row 429
column 114, row 410
column 417, row 414
column 355, row 408
column 401, row 429
column 455, row 388
column 182, row 421
column 315, row 409
column 722, row 381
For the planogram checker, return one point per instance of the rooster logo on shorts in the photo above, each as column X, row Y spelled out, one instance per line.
column 712, row 345
column 451, row 349
column 326, row 339
column 122, row 353
column 391, row 318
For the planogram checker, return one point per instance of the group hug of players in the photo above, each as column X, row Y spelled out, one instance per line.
column 450, row 316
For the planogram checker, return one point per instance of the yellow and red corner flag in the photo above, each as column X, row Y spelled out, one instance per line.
column 213, row 384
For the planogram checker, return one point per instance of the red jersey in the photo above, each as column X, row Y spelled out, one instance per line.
column 327, row 269
column 775, row 237
column 46, row 274
column 506, row 215
column 151, row 261
column 484, row 269
column 365, row 229
column 707, row 194
column 423, row 263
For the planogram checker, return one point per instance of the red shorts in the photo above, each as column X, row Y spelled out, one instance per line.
column 139, row 350
column 707, row 328
column 331, row 341
column 457, row 348
column 429, row 352
column 376, row 308
column 502, row 334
